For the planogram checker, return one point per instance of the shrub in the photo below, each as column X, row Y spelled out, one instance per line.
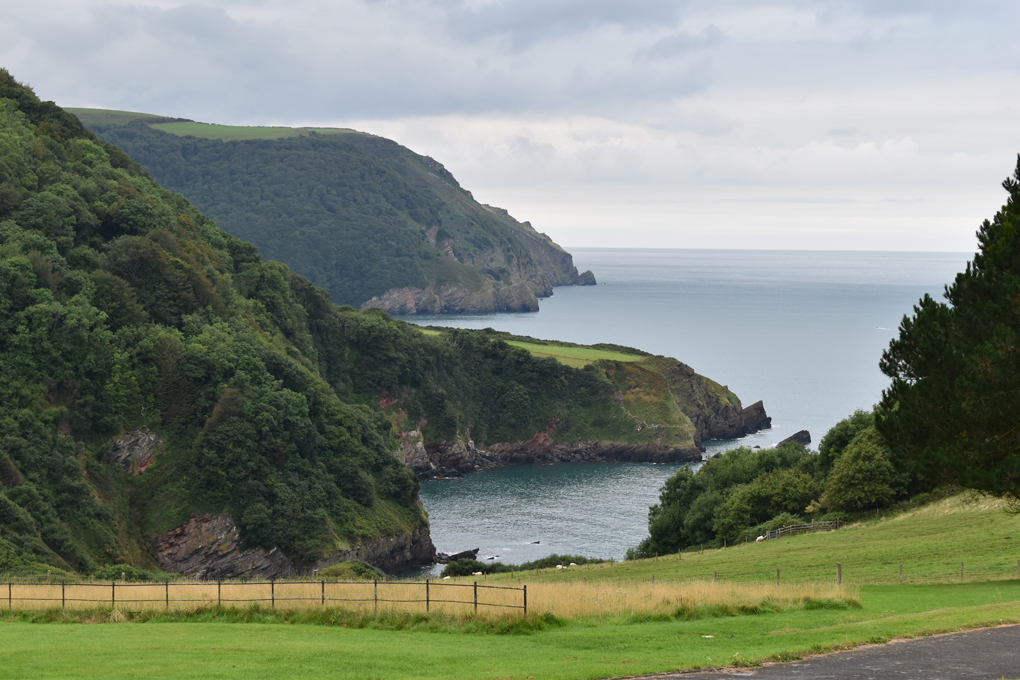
column 769, row 495
column 112, row 572
column 467, row 567
column 839, row 437
column 352, row 570
column 862, row 478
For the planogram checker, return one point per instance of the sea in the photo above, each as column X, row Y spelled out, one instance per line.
column 802, row 331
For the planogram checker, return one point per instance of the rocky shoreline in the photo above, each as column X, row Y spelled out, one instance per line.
column 455, row 458
column 209, row 547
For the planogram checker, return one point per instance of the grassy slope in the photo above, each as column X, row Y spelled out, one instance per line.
column 930, row 539
column 572, row 356
column 230, row 133
column 109, row 116
column 564, row 352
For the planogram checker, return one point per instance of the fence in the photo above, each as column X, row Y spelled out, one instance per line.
column 358, row 594
column 794, row 529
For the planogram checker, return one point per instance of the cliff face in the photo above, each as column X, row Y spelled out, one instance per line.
column 209, row 547
column 457, row 299
column 455, row 458
column 715, row 411
column 672, row 410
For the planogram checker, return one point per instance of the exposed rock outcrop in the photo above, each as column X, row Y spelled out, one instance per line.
column 443, row 558
column 454, row 458
column 715, row 411
column 803, row 437
column 136, row 451
column 209, row 547
column 457, row 299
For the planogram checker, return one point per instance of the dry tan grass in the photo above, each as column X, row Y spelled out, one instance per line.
column 574, row 600
column 402, row 596
column 610, row 598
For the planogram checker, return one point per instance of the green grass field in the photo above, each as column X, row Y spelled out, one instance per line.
column 572, row 356
column 570, row 650
column 577, row 357
column 931, row 541
column 240, row 132
column 108, row 116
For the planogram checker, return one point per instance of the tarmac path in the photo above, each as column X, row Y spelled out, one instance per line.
column 985, row 654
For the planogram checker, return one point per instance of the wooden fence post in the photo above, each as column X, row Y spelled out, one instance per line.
column 653, row 579
column 10, row 600
column 219, row 595
column 525, row 600
column 715, row 576
column 113, row 595
column 323, row 584
column 168, row 594
column 777, row 576
column 375, row 582
column 426, row 595
column 63, row 596
column 476, row 597
column 839, row 573
column 272, row 591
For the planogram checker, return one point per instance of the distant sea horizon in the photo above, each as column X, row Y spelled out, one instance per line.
column 802, row 331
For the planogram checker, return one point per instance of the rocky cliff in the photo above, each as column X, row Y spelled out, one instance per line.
column 487, row 297
column 209, row 547
column 455, row 458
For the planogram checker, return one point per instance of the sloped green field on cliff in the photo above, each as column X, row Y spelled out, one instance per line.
column 577, row 357
column 236, row 132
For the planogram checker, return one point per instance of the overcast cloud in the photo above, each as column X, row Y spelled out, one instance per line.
column 865, row 125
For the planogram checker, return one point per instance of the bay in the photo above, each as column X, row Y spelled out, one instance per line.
column 803, row 331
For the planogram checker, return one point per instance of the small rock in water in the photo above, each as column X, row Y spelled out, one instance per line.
column 535, row 542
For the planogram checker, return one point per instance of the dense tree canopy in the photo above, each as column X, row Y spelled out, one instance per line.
column 951, row 412
column 123, row 309
column 356, row 214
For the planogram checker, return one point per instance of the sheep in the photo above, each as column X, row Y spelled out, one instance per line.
column 760, row 539
column 573, row 564
column 476, row 573
column 559, row 566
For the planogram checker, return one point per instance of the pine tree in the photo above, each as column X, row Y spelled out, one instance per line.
column 952, row 412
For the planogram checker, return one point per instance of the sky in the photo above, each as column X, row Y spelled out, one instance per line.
column 857, row 125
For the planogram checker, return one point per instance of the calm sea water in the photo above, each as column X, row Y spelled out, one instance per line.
column 802, row 331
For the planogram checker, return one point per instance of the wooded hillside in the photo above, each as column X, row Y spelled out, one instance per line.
column 152, row 367
column 358, row 215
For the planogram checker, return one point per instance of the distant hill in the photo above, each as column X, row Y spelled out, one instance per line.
column 372, row 222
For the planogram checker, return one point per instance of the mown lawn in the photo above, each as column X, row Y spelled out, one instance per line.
column 573, row 649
